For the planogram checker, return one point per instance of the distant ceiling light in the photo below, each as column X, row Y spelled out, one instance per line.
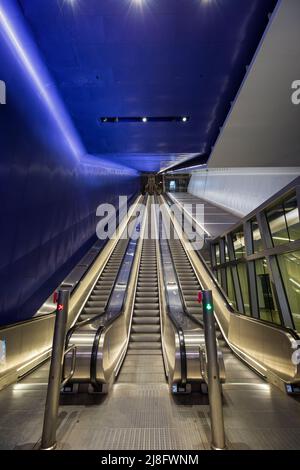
column 144, row 119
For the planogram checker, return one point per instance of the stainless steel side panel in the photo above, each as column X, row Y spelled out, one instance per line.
column 24, row 346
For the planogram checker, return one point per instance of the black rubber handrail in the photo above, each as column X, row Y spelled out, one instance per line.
column 89, row 320
column 178, row 328
column 102, row 328
column 183, row 301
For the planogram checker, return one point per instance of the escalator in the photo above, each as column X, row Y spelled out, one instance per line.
column 98, row 299
column 189, row 283
column 265, row 347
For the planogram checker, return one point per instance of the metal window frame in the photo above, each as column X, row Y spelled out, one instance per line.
column 269, row 252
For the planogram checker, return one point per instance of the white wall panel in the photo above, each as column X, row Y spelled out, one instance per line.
column 240, row 190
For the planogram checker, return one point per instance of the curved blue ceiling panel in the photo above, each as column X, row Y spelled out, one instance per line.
column 148, row 58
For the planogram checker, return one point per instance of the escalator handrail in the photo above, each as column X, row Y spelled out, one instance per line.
column 72, row 290
column 180, row 334
column 104, row 327
column 90, row 320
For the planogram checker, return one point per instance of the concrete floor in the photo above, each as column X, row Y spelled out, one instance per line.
column 145, row 415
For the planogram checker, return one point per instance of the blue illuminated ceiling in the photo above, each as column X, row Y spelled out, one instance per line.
column 148, row 58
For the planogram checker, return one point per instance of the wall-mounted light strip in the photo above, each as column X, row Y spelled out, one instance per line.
column 143, row 119
column 32, row 64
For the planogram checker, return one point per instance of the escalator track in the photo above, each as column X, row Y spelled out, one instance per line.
column 143, row 362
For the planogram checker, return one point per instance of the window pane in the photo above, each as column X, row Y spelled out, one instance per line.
column 217, row 252
column 242, row 272
column 239, row 243
column 230, row 288
column 266, row 300
column 290, row 271
column 292, row 218
column 256, row 236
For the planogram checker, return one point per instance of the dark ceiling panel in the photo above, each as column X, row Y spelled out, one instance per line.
column 116, row 58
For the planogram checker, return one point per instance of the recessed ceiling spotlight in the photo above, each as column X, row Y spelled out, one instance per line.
column 144, row 119
column 184, row 119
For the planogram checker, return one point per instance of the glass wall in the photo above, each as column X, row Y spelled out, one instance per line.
column 253, row 264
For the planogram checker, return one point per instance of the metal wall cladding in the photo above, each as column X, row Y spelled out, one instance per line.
column 49, row 195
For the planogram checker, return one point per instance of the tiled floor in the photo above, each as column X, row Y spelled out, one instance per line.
column 146, row 416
